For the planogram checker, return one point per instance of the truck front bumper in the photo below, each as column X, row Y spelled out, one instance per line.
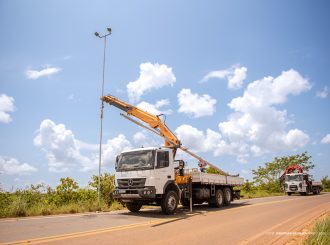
column 146, row 193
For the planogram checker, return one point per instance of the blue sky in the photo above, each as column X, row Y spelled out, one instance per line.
column 240, row 81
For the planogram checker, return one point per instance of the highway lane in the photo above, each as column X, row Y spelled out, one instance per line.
column 257, row 221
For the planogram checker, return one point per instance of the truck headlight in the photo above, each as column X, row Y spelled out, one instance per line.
column 147, row 192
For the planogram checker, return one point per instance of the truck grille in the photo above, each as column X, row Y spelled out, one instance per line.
column 131, row 183
column 293, row 187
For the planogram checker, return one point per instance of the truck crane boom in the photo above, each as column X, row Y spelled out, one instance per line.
column 156, row 126
column 153, row 121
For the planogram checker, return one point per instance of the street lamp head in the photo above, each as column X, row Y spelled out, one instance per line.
column 109, row 30
column 97, row 34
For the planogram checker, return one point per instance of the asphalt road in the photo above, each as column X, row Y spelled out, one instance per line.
column 272, row 220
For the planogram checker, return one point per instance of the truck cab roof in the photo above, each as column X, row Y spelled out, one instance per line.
column 146, row 149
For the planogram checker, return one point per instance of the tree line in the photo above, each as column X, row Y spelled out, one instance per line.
column 67, row 197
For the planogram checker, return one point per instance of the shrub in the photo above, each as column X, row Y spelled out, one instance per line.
column 326, row 183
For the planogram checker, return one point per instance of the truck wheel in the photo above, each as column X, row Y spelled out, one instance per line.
column 219, row 198
column 170, row 202
column 289, row 193
column 227, row 196
column 134, row 206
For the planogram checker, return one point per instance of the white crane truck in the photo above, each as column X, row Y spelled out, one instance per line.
column 296, row 181
column 152, row 176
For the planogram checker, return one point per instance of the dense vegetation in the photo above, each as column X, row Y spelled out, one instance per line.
column 326, row 183
column 67, row 197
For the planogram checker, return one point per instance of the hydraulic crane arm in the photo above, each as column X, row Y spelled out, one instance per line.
column 156, row 126
column 152, row 120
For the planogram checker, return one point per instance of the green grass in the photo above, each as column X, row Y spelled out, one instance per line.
column 30, row 202
column 321, row 233
column 19, row 208
column 259, row 193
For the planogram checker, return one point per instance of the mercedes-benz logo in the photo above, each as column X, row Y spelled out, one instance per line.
column 130, row 182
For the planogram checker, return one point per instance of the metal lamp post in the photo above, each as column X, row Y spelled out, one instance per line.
column 102, row 106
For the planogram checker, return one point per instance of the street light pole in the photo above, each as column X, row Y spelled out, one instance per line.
column 101, row 118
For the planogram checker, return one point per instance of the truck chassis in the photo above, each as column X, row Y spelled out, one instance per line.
column 215, row 189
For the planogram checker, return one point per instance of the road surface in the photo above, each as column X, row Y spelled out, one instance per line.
column 272, row 220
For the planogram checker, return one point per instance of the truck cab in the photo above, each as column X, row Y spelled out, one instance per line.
column 144, row 175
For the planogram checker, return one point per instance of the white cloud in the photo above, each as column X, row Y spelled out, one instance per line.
column 12, row 166
column 257, row 123
column 48, row 71
column 141, row 138
column 157, row 108
column 255, row 127
column 196, row 105
column 190, row 137
column 323, row 93
column 6, row 105
column 326, row 139
column 113, row 147
column 64, row 152
column 235, row 81
column 199, row 141
column 152, row 76
column 295, row 138
column 271, row 91
column 235, row 76
column 60, row 146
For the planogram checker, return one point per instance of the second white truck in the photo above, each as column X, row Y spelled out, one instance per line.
column 294, row 180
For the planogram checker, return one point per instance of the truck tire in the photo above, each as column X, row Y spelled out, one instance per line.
column 289, row 193
column 218, row 200
column 227, row 196
column 170, row 202
column 134, row 207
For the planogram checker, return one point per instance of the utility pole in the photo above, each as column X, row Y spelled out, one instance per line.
column 101, row 116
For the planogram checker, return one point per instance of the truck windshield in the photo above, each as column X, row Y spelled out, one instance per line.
column 136, row 160
column 294, row 178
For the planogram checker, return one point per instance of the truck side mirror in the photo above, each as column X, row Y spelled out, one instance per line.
column 181, row 164
column 116, row 164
